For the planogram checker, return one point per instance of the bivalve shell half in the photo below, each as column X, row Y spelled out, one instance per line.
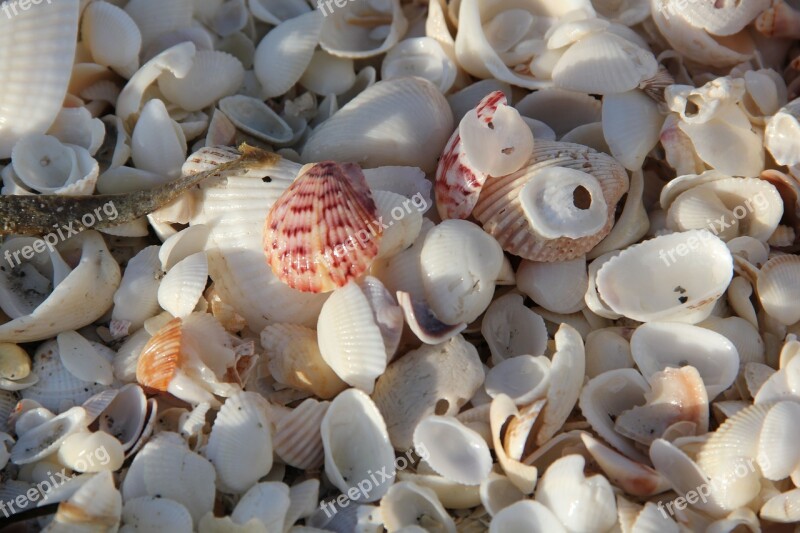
column 683, row 274
column 356, row 444
column 778, row 288
column 298, row 441
column 213, row 75
column 112, row 36
column 46, row 438
column 510, row 329
column 526, row 516
column 453, row 450
column 367, row 29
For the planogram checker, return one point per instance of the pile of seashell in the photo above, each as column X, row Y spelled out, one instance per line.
column 399, row 265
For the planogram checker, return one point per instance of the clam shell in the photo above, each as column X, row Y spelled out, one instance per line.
column 112, row 36
column 363, row 30
column 607, row 349
column 182, row 287
column 525, row 516
column 154, row 18
column 30, row 102
column 277, row 11
column 156, row 514
column 213, row 75
column 240, row 443
column 298, row 441
column 689, row 285
column 780, row 134
column 95, row 506
column 265, row 502
column 459, row 265
column 424, row 57
column 659, row 345
column 328, row 74
column 558, row 287
column 255, row 118
column 46, row 165
column 302, row 232
column 429, row 380
column 295, row 360
column 407, row 505
column 564, row 489
column 157, row 143
column 634, row 478
column 136, row 299
column 778, row 455
column 608, row 395
column 285, row 52
column 453, row 450
column 402, row 232
column 523, row 378
column 604, row 63
column 80, row 450
column 631, row 127
column 82, row 360
column 416, row 105
column 501, row 212
column 511, row 329
column 44, row 439
column 356, row 444
column 126, row 416
column 15, row 363
column 778, row 287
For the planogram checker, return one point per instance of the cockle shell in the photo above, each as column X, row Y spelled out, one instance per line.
column 778, row 287
column 502, row 212
column 415, row 104
column 240, row 443
column 327, row 212
column 682, row 286
column 188, row 358
column 193, row 91
column 183, row 285
column 295, row 360
column 46, row 165
column 631, row 126
column 523, row 378
column 356, row 444
column 112, row 36
column 358, row 330
column 284, row 53
column 155, row 19
column 95, row 506
column 79, row 449
column 328, row 74
column 510, row 329
column 81, row 359
column 359, row 30
column 430, row 380
column 31, row 101
column 155, row 513
column 558, row 287
column 298, row 441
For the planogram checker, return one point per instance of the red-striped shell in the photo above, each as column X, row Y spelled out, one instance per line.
column 324, row 230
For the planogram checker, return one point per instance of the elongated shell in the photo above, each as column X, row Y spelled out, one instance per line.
column 500, row 209
column 325, row 214
column 31, row 100
column 392, row 112
column 356, row 443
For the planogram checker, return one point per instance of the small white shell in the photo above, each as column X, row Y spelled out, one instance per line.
column 298, row 441
column 359, row 30
column 46, row 438
column 631, row 126
column 453, row 450
column 526, row 516
column 266, row 503
column 81, row 452
column 778, row 453
column 182, row 287
column 356, row 444
column 158, row 144
column 255, row 118
column 523, row 378
column 328, row 74
column 778, row 287
column 112, row 36
column 423, row 57
column 511, row 329
column 46, row 165
column 95, row 505
column 240, row 443
column 82, row 360
column 213, row 75
column 558, row 287
column 155, row 514
column 408, row 505
column 136, row 299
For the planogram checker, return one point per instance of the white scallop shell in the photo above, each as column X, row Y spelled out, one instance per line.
column 213, row 75
column 240, row 443
column 430, row 380
column 155, row 18
column 402, row 231
column 351, row 334
column 392, row 111
column 356, row 444
column 453, row 450
column 631, row 126
column 526, row 516
column 266, row 502
column 778, row 454
column 298, row 441
column 81, row 359
column 408, row 505
column 604, row 63
column 778, row 287
column 683, row 274
column 285, row 52
column 96, row 505
column 182, row 287
column 31, row 101
column 112, row 36
column 459, row 265
column 659, row 345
